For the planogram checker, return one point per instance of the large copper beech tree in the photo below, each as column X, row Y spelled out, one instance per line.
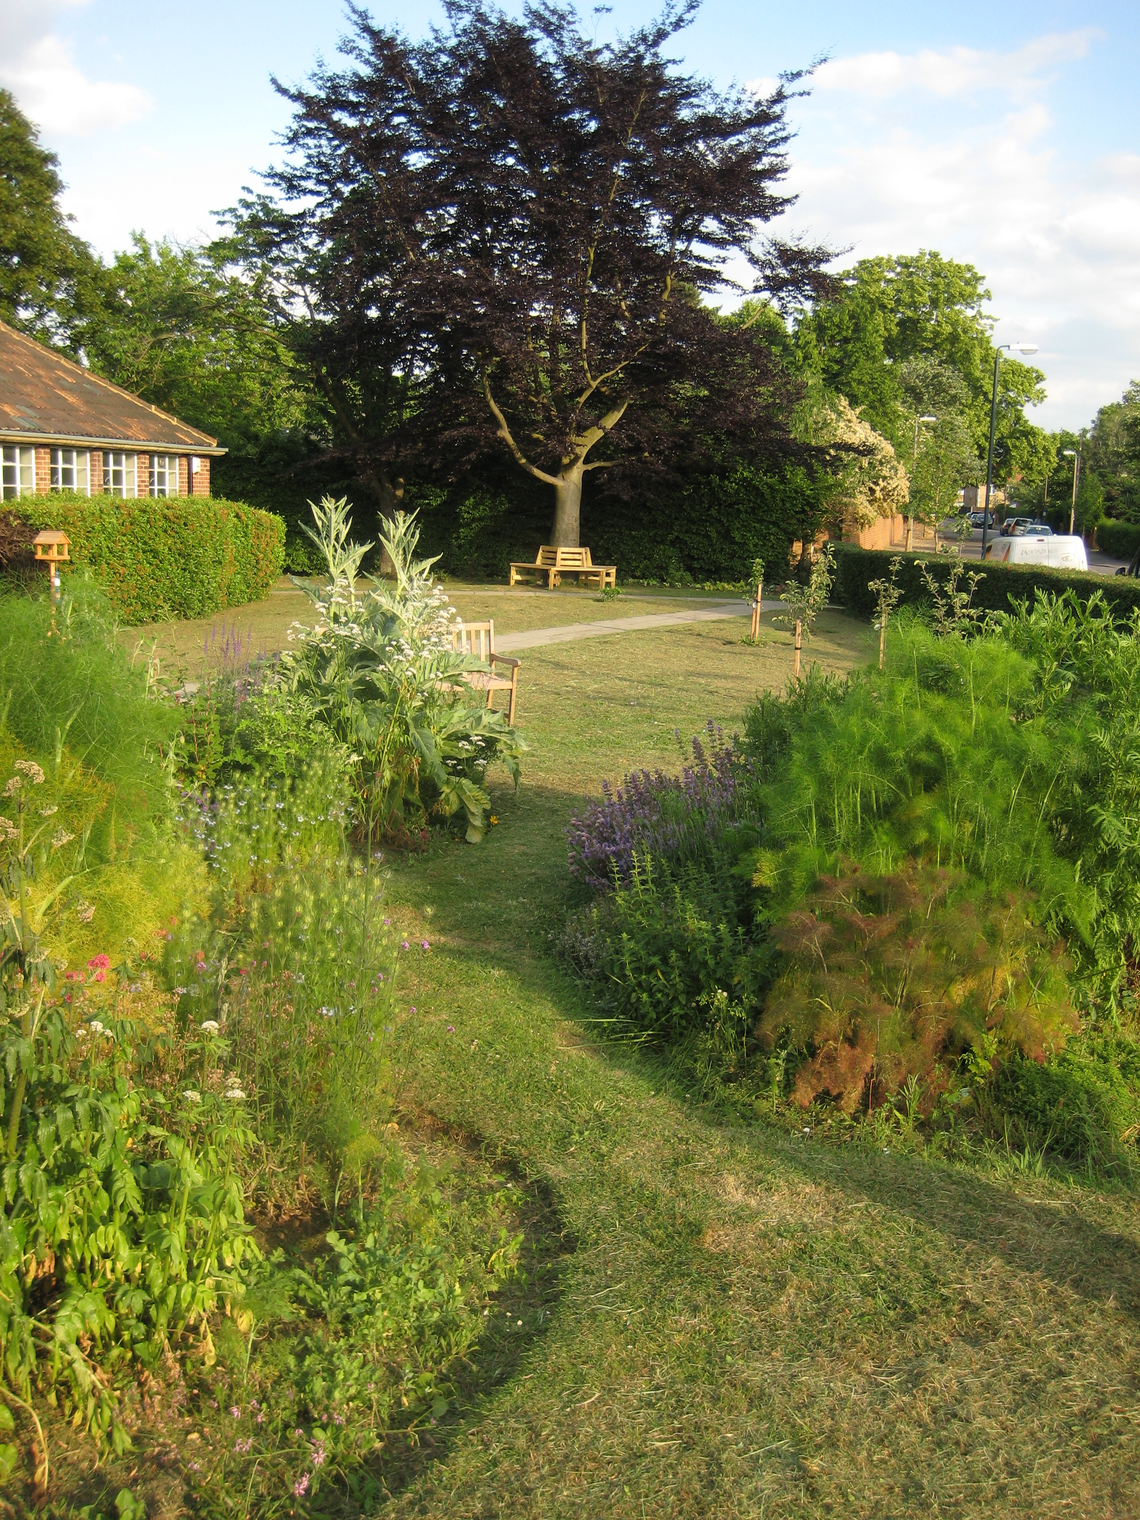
column 519, row 223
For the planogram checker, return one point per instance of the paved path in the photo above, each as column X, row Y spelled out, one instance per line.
column 536, row 638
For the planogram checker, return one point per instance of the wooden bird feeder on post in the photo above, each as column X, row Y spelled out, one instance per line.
column 52, row 550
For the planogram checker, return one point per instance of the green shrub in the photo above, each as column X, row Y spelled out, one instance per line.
column 166, row 557
column 661, row 947
column 1002, row 584
column 1083, row 1108
column 1120, row 539
column 73, row 706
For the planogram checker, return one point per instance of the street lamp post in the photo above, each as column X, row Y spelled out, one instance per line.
column 1014, row 348
column 1075, row 456
column 913, row 469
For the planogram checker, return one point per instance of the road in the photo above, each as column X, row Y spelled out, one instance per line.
column 1100, row 564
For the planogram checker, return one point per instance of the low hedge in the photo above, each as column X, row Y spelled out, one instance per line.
column 1120, row 539
column 166, row 557
column 856, row 568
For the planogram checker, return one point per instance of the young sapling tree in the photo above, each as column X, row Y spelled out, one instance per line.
column 889, row 595
column 805, row 603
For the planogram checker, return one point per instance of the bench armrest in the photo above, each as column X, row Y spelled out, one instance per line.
column 505, row 659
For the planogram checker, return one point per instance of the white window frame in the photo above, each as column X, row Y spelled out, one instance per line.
column 166, row 466
column 75, row 463
column 17, row 470
column 125, row 466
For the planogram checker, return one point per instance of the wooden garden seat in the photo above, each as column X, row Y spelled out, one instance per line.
column 478, row 640
column 555, row 561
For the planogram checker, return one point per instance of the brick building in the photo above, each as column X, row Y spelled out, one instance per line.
column 64, row 429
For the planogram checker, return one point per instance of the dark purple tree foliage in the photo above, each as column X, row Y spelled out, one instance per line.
column 651, row 813
column 515, row 224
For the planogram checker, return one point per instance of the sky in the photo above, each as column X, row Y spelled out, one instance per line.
column 1003, row 134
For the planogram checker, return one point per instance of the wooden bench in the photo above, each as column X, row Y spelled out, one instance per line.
column 478, row 640
column 554, row 562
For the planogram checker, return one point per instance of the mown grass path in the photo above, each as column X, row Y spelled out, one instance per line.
column 751, row 1323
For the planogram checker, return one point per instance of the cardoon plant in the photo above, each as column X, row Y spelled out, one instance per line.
column 380, row 667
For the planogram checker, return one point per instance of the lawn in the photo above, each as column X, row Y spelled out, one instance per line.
column 243, row 633
column 737, row 1321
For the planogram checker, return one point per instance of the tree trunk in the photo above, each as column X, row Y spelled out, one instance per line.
column 567, row 510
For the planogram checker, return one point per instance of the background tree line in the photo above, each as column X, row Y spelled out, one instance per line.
column 480, row 282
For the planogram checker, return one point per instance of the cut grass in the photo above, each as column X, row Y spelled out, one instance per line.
column 191, row 648
column 753, row 1323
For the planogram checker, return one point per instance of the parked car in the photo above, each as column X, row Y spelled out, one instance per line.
column 978, row 520
column 1060, row 551
column 1034, row 529
column 1009, row 527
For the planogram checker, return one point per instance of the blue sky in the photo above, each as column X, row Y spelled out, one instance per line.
column 1005, row 134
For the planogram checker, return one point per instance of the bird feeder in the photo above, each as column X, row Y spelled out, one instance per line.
column 52, row 550
column 52, row 546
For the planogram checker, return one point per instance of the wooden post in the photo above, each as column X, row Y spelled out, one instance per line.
column 799, row 646
column 756, row 611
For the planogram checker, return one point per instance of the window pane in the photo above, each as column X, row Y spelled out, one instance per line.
column 17, row 471
column 160, row 474
column 64, row 470
column 115, row 472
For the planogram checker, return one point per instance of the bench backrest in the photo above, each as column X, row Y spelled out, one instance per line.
column 476, row 639
column 548, row 556
column 568, row 559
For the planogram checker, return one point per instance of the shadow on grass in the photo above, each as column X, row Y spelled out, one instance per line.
column 522, row 1312
column 1051, row 1236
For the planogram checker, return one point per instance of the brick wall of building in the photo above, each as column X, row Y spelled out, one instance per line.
column 43, row 470
column 201, row 479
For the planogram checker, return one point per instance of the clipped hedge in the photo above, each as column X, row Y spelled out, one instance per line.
column 1120, row 539
column 166, row 557
column 856, row 567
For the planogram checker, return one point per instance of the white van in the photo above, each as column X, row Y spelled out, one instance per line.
column 1060, row 551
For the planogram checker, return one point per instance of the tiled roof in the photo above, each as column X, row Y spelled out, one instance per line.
column 45, row 398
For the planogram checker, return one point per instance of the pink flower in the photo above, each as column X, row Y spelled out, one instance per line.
column 301, row 1486
column 235, row 1411
column 100, row 976
column 318, row 1455
column 411, row 1010
column 99, row 963
column 73, row 976
column 424, row 945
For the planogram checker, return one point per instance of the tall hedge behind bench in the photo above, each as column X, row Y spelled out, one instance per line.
column 166, row 557
column 856, row 567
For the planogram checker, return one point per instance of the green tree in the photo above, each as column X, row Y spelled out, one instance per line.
column 1113, row 454
column 173, row 326
column 893, row 313
column 44, row 268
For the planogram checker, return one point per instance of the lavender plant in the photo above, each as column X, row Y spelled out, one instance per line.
column 654, row 814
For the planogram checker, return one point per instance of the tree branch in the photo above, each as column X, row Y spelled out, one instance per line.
column 508, row 438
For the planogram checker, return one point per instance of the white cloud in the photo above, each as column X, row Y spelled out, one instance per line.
column 953, row 72
column 38, row 66
column 1058, row 241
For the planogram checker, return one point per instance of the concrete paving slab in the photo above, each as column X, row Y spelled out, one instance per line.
column 537, row 638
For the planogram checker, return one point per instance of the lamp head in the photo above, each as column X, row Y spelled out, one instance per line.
column 1022, row 348
column 1069, row 453
column 928, row 419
